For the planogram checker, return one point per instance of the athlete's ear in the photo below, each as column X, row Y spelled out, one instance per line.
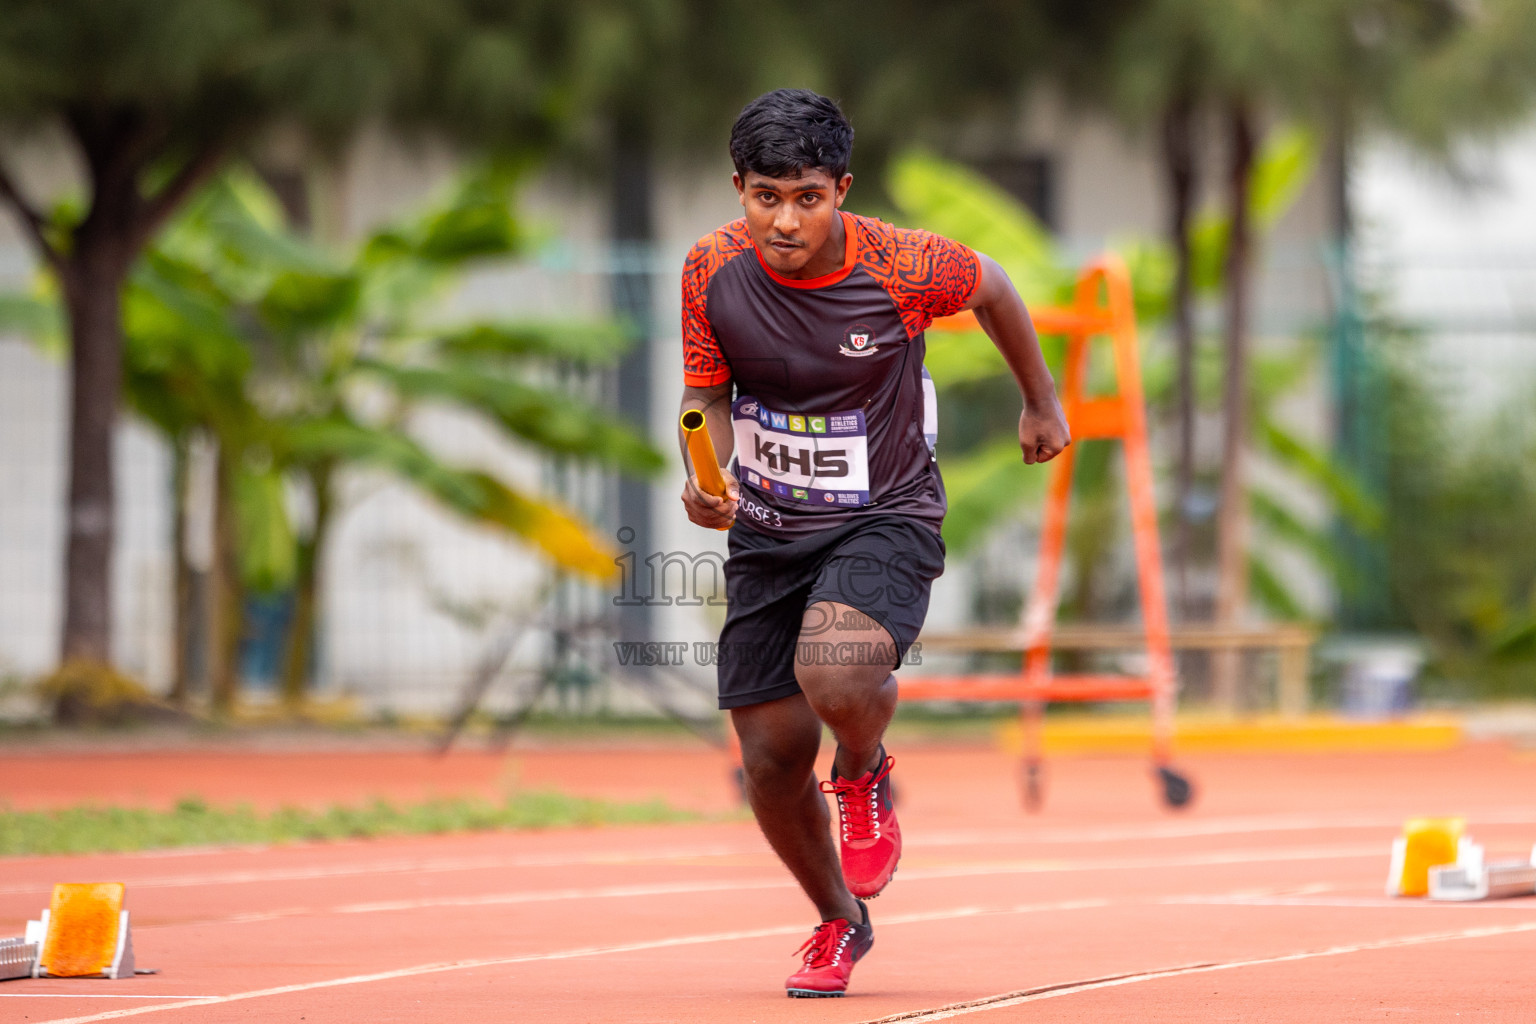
column 741, row 188
column 842, row 187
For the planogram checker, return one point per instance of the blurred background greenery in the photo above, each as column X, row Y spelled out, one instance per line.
column 387, row 291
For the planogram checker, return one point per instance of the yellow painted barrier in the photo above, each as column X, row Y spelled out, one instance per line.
column 1105, row 734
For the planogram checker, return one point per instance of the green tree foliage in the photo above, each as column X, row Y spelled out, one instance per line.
column 303, row 365
column 978, row 400
column 153, row 95
column 1461, row 569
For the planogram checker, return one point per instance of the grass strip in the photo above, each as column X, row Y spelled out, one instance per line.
column 192, row 822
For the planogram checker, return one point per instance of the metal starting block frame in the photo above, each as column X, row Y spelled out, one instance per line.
column 18, row 958
column 1472, row 879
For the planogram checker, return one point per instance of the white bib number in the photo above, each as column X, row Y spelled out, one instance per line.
column 820, row 459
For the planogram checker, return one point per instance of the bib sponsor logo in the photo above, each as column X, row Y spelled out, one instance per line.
column 749, row 408
column 859, row 340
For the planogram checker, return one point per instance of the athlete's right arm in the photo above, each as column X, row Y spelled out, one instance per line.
column 715, row 402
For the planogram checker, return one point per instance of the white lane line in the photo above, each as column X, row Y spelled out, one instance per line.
column 1381, row 903
column 1028, row 867
column 1197, row 827
column 592, row 951
column 1244, row 855
column 96, row 995
column 571, row 954
column 1022, row 996
column 1177, row 830
column 418, row 865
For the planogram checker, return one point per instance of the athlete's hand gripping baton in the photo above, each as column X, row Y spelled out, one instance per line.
column 701, row 449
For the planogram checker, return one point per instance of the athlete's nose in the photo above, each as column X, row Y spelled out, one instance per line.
column 786, row 221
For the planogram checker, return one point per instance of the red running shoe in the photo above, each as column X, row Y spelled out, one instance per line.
column 871, row 838
column 830, row 953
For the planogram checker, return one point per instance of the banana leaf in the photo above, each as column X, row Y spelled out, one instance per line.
column 473, row 494
column 553, row 421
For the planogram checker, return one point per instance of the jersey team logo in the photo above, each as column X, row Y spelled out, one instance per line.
column 858, row 340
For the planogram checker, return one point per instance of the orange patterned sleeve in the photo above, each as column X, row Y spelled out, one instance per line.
column 926, row 275
column 703, row 364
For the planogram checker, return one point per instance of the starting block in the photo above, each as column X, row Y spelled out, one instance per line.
column 1425, row 843
column 1470, row 878
column 84, row 933
column 1433, row 858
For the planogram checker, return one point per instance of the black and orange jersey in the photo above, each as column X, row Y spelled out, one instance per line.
column 834, row 414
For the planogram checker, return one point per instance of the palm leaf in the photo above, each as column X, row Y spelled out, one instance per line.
column 594, row 342
column 473, row 494
column 1282, row 168
column 1283, row 524
column 268, row 551
column 953, row 201
column 36, row 316
column 300, row 301
column 1272, row 593
column 1361, row 511
column 985, row 487
column 550, row 420
column 962, row 357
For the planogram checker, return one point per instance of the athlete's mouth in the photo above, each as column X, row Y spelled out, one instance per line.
column 784, row 243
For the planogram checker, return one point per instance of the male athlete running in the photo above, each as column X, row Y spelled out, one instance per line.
column 815, row 319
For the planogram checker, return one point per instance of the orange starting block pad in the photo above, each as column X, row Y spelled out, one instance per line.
column 84, row 933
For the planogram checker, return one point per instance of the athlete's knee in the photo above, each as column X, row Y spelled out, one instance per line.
column 840, row 692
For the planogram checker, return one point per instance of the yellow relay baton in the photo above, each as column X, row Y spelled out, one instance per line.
column 701, row 449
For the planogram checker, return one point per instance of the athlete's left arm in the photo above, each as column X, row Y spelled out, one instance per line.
column 1043, row 429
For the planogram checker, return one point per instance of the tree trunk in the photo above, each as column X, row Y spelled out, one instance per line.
column 1179, row 149
column 301, row 630
column 1232, row 524
column 632, row 227
column 181, row 608
column 226, row 594
column 93, row 284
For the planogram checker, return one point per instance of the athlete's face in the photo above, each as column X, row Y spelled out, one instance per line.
column 793, row 221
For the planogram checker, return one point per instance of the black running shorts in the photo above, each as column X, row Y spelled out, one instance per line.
column 882, row 566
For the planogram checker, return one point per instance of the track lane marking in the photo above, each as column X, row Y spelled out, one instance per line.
column 592, row 951
column 411, row 866
column 1194, row 829
column 1033, row 995
column 97, row 995
column 955, row 913
column 1244, row 855
column 1354, row 902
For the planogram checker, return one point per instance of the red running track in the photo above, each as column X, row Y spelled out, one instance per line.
column 1263, row 903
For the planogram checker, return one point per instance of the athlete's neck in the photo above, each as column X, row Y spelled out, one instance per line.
column 830, row 257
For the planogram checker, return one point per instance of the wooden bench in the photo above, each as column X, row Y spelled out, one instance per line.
column 1291, row 643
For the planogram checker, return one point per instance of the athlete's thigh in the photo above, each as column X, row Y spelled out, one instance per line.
column 876, row 586
column 832, row 632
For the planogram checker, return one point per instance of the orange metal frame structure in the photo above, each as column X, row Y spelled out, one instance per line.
column 1102, row 306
